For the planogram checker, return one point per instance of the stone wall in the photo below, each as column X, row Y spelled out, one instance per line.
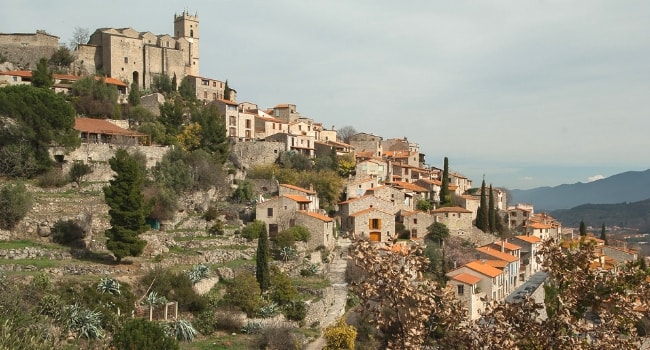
column 317, row 310
column 152, row 103
column 26, row 49
column 247, row 153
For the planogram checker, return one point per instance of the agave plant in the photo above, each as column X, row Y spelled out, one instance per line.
column 198, row 273
column 84, row 322
column 251, row 328
column 269, row 310
column 109, row 285
column 181, row 330
column 287, row 253
column 154, row 299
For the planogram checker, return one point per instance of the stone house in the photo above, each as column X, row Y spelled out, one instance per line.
column 279, row 213
column 102, row 131
column 492, row 279
column 458, row 220
column 300, row 144
column 28, row 48
column 230, row 111
column 354, row 205
column 286, row 112
column 373, row 224
column 324, row 148
column 528, row 253
column 416, row 222
column 364, row 142
column 266, row 125
column 357, row 187
column 302, row 127
column 412, row 192
column 468, row 202
column 541, row 230
column 393, row 195
column 469, row 293
column 320, row 226
column 620, row 254
column 314, row 202
column 461, row 181
column 433, row 186
column 372, row 168
column 518, row 216
column 207, row 89
column 511, row 265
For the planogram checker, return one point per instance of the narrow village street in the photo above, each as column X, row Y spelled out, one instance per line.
column 336, row 275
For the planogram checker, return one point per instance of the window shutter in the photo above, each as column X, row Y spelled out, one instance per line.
column 370, row 224
column 379, row 224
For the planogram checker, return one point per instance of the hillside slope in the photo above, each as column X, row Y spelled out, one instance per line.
column 631, row 215
column 631, row 186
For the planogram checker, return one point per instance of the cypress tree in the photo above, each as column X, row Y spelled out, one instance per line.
column 128, row 209
column 583, row 228
column 262, row 270
column 444, row 187
column 603, row 235
column 482, row 214
column 226, row 91
column 492, row 213
column 134, row 94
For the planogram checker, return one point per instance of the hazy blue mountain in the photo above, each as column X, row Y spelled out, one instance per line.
column 630, row 215
column 631, row 186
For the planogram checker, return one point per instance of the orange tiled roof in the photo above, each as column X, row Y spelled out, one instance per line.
column 433, row 182
column 506, row 245
column 316, row 215
column 529, row 239
column 228, row 102
column 538, row 225
column 466, row 278
column 298, row 188
column 18, row 73
column 409, row 186
column 297, row 198
column 483, row 268
column 101, row 126
column 451, row 210
column 499, row 264
column 497, row 254
column 365, row 211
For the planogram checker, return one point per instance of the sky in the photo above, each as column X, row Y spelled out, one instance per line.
column 522, row 93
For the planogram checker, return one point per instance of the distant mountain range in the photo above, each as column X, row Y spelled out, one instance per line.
column 629, row 215
column 627, row 187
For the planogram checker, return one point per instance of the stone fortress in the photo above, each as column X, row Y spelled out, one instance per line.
column 124, row 54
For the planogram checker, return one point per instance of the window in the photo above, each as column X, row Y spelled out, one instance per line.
column 126, row 60
column 461, row 289
column 233, row 120
column 248, row 123
column 269, row 212
column 214, row 96
column 214, row 84
column 205, row 95
column 292, row 222
column 375, row 224
column 415, row 221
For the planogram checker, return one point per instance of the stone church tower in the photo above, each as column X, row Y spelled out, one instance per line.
column 141, row 57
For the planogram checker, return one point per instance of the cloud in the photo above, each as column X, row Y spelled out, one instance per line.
column 595, row 178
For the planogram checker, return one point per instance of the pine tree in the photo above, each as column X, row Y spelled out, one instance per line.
column 262, row 270
column 482, row 214
column 42, row 76
column 128, row 209
column 583, row 228
column 444, row 187
column 603, row 234
column 492, row 213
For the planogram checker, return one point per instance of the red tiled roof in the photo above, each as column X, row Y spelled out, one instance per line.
column 100, row 126
column 467, row 278
column 451, row 210
column 497, row 254
column 409, row 186
column 297, row 198
column 364, row 211
column 529, row 239
column 298, row 188
column 484, row 268
column 506, row 245
column 317, row 215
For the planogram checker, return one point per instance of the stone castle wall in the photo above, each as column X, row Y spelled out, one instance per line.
column 247, row 153
column 25, row 50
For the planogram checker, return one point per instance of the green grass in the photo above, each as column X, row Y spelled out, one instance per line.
column 223, row 342
column 24, row 243
column 235, row 264
column 182, row 251
column 312, row 282
column 194, row 238
column 34, row 262
column 233, row 247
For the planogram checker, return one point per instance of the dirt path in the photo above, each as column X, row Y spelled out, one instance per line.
column 336, row 275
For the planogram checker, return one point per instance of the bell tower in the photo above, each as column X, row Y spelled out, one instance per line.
column 187, row 26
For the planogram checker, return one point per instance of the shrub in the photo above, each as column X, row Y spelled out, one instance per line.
column 211, row 214
column 300, row 233
column 83, row 322
column 311, row 270
column 198, row 272
column 67, row 232
column 284, row 239
column 251, row 328
column 206, row 322
column 175, row 286
column 295, row 310
column 217, row 229
column 52, row 178
column 15, row 202
column 228, row 320
column 78, row 171
column 279, row 339
column 269, row 310
column 253, row 230
column 143, row 335
column 244, row 292
column 340, row 336
column 282, row 290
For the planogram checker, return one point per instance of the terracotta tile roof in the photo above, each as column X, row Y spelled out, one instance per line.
column 453, row 187
column 497, row 254
column 317, row 215
column 297, row 198
column 483, row 268
column 28, row 74
column 112, row 81
column 506, row 245
column 101, row 126
column 529, row 239
column 451, row 210
column 432, row 182
column 409, row 186
column 538, row 225
column 228, row 102
column 298, row 188
column 467, row 278
column 499, row 264
column 18, row 73
column 365, row 211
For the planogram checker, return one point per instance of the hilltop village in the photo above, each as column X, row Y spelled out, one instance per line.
column 390, row 196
